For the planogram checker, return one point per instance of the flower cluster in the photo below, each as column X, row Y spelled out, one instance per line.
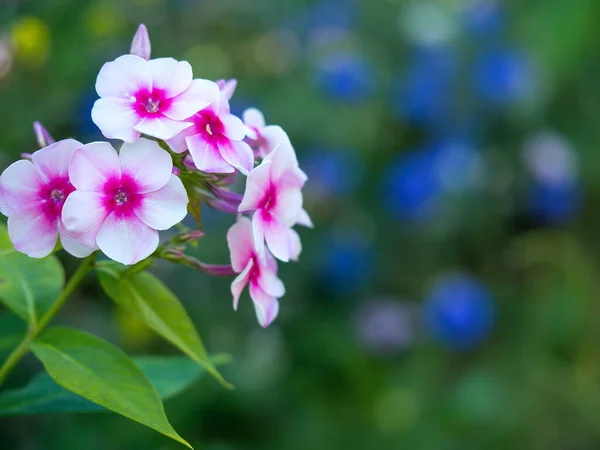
column 182, row 146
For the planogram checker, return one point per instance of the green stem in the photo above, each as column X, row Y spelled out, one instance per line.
column 21, row 350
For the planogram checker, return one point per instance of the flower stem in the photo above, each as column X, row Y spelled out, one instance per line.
column 21, row 350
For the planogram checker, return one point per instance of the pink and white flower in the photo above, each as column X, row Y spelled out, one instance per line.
column 260, row 273
column 216, row 138
column 227, row 87
column 273, row 190
column 32, row 195
column 147, row 97
column 263, row 138
column 122, row 200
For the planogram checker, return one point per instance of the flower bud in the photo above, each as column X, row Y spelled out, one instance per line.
column 140, row 45
column 41, row 134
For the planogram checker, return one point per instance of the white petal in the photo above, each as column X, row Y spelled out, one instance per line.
column 19, row 186
column 269, row 283
column 147, row 163
column 257, row 184
column 288, row 205
column 239, row 155
column 53, row 160
column 198, row 96
column 116, row 118
column 295, row 245
column 265, row 305
column 73, row 245
column 259, row 224
column 32, row 232
column 274, row 136
column 206, row 157
column 234, row 127
column 240, row 282
column 126, row 239
column 304, row 219
column 240, row 243
column 279, row 240
column 170, row 75
column 83, row 214
column 254, row 118
column 160, row 126
column 177, row 143
column 92, row 165
column 123, row 77
column 165, row 207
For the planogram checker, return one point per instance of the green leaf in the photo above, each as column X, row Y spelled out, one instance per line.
column 28, row 286
column 13, row 330
column 103, row 374
column 171, row 375
column 152, row 302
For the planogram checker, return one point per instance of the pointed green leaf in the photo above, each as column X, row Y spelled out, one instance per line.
column 28, row 286
column 150, row 300
column 104, row 374
column 171, row 375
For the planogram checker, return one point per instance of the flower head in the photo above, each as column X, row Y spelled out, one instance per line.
column 263, row 138
column 32, row 195
column 273, row 190
column 259, row 273
column 150, row 97
column 122, row 200
column 216, row 138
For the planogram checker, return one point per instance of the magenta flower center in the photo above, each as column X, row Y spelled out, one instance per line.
column 53, row 196
column 149, row 103
column 269, row 199
column 209, row 125
column 121, row 195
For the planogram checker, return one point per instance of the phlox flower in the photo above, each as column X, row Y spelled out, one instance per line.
column 216, row 138
column 262, row 137
column 150, row 97
column 122, row 200
column 273, row 190
column 260, row 273
column 227, row 87
column 32, row 195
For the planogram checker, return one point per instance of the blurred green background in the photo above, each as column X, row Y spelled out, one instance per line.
column 448, row 296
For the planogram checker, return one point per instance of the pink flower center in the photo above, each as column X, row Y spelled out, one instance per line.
column 255, row 271
column 269, row 199
column 121, row 195
column 208, row 124
column 148, row 103
column 53, row 196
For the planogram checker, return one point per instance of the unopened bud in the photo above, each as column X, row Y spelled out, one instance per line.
column 189, row 236
column 44, row 139
column 140, row 45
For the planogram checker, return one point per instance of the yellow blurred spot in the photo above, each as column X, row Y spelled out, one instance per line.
column 30, row 38
column 104, row 19
column 396, row 410
column 135, row 333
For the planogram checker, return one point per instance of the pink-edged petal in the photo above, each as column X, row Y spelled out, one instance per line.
column 238, row 154
column 228, row 88
column 53, row 160
column 260, row 221
column 269, row 283
column 165, row 207
column 295, row 245
column 266, row 306
column 240, row 282
column 116, row 118
column 206, row 157
column 304, row 219
column 92, row 165
column 126, row 239
column 274, row 136
column 83, row 214
column 240, row 243
column 254, row 118
column 140, row 45
column 160, row 127
column 177, row 143
column 198, row 96
column 257, row 184
column 19, row 186
column 32, row 232
column 73, row 245
column 123, row 77
column 234, row 127
column 288, row 205
column 147, row 163
column 279, row 240
column 170, row 75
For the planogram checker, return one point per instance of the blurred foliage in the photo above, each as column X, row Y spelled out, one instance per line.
column 445, row 140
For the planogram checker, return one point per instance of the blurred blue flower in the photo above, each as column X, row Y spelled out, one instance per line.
column 423, row 95
column 554, row 204
column 332, row 172
column 346, row 76
column 347, row 263
column 332, row 13
column 459, row 311
column 503, row 76
column 484, row 17
column 414, row 186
